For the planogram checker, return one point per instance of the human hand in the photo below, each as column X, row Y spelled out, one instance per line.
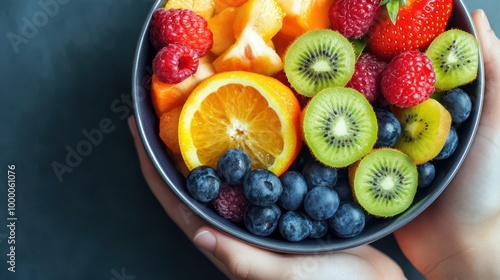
column 456, row 237
column 239, row 260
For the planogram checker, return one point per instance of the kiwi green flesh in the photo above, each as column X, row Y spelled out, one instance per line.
column 318, row 60
column 455, row 57
column 424, row 129
column 339, row 126
column 385, row 182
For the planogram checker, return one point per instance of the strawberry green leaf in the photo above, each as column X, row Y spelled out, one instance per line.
column 392, row 7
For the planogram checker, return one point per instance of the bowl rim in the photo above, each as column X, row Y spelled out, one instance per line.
column 145, row 127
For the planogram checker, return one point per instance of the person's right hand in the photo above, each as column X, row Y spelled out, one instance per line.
column 457, row 236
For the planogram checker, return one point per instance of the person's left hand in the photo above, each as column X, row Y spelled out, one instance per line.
column 240, row 260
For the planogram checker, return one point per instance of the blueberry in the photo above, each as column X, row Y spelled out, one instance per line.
column 389, row 128
column 449, row 146
column 426, row 173
column 348, row 221
column 319, row 175
column 294, row 226
column 233, row 165
column 344, row 189
column 319, row 228
column 294, row 190
column 203, row 183
column 321, row 203
column 261, row 221
column 262, row 187
column 458, row 103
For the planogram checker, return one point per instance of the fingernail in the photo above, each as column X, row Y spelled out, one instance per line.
column 486, row 23
column 205, row 240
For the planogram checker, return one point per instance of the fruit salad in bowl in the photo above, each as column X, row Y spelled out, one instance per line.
column 308, row 126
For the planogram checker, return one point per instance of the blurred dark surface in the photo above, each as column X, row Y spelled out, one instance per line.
column 66, row 73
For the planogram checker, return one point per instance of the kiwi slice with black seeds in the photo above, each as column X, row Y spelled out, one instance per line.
column 339, row 126
column 384, row 182
column 318, row 60
column 455, row 57
column 424, row 129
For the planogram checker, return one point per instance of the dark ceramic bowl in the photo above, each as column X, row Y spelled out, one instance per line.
column 147, row 123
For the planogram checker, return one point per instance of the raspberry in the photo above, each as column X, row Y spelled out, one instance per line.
column 174, row 63
column 367, row 75
column 231, row 203
column 180, row 26
column 353, row 18
column 408, row 79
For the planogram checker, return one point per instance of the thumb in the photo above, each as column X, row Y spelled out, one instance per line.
column 490, row 46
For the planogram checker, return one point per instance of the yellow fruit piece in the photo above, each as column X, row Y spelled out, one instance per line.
column 242, row 110
column 166, row 97
column 221, row 5
column 302, row 16
column 204, row 8
column 265, row 17
column 223, row 35
column 249, row 53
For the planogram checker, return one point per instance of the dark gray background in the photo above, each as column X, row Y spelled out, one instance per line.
column 71, row 72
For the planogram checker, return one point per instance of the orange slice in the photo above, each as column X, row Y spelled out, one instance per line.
column 243, row 110
column 204, row 8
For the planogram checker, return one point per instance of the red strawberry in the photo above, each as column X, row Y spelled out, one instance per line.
column 408, row 79
column 414, row 27
column 174, row 63
column 179, row 26
column 231, row 203
column 353, row 18
column 367, row 74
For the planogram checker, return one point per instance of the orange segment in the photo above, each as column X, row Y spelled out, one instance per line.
column 223, row 35
column 204, row 8
column 242, row 110
column 265, row 17
column 165, row 97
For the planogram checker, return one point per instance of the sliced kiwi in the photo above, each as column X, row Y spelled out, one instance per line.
column 318, row 60
column 384, row 182
column 339, row 126
column 455, row 57
column 424, row 129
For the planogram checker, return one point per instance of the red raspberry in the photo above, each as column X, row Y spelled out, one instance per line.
column 408, row 79
column 353, row 18
column 180, row 26
column 231, row 203
column 367, row 75
column 174, row 63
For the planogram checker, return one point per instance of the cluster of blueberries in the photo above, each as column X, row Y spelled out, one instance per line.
column 300, row 204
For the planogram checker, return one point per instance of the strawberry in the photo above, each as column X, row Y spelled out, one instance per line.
column 408, row 27
column 408, row 79
column 353, row 18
